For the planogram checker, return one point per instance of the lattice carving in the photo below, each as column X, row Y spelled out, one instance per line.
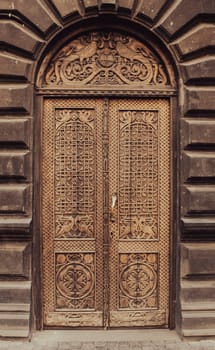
column 105, row 58
column 74, row 173
column 138, row 192
column 75, row 281
column 138, row 281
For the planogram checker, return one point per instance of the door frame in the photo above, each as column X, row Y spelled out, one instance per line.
column 174, row 156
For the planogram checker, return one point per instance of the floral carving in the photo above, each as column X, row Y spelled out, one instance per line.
column 109, row 58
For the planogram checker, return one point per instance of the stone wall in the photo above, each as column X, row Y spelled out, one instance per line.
column 186, row 28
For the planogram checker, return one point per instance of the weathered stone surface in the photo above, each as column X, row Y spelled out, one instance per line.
column 90, row 5
column 15, row 295
column 197, row 260
column 15, row 259
column 32, row 10
column 15, row 130
column 14, row 198
column 198, row 323
column 14, row 324
column 197, row 41
column 150, row 9
column 194, row 225
column 197, row 165
column 68, row 7
column 197, row 132
column 197, row 295
column 126, row 5
column 204, row 70
column 108, row 4
column 184, row 12
column 17, row 36
column 14, row 68
column 15, row 164
column 197, row 100
column 11, row 225
column 113, row 340
column 198, row 199
column 17, row 97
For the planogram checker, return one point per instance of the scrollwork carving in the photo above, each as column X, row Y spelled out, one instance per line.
column 109, row 58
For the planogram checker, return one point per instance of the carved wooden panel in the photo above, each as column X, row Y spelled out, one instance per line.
column 72, row 212
column 105, row 58
column 106, row 212
column 139, row 161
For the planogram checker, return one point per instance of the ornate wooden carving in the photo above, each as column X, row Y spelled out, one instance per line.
column 138, row 281
column 74, row 173
column 75, row 280
column 138, row 191
column 105, row 58
column 105, row 212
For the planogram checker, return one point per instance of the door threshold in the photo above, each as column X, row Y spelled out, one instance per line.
column 116, row 335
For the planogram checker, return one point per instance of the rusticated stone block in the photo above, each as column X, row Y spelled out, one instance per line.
column 15, row 259
column 11, row 225
column 197, row 260
column 196, row 41
column 68, row 7
column 14, row 324
column 17, row 97
column 204, row 70
column 15, row 164
column 198, row 199
column 90, row 5
column 195, row 132
column 199, row 100
column 197, row 165
column 15, row 295
column 16, row 35
column 108, row 4
column 32, row 10
column 126, row 5
column 203, row 225
column 14, row 68
column 150, row 9
column 14, row 198
column 15, row 130
column 198, row 323
column 184, row 12
column 197, row 295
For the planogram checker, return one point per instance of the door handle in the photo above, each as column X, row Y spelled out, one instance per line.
column 113, row 205
column 113, row 202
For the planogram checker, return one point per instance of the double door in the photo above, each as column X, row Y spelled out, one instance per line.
column 105, row 209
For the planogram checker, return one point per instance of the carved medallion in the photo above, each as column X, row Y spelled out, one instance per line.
column 75, row 281
column 105, row 58
column 138, row 281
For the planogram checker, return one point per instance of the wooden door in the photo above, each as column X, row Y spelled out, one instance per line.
column 105, row 212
